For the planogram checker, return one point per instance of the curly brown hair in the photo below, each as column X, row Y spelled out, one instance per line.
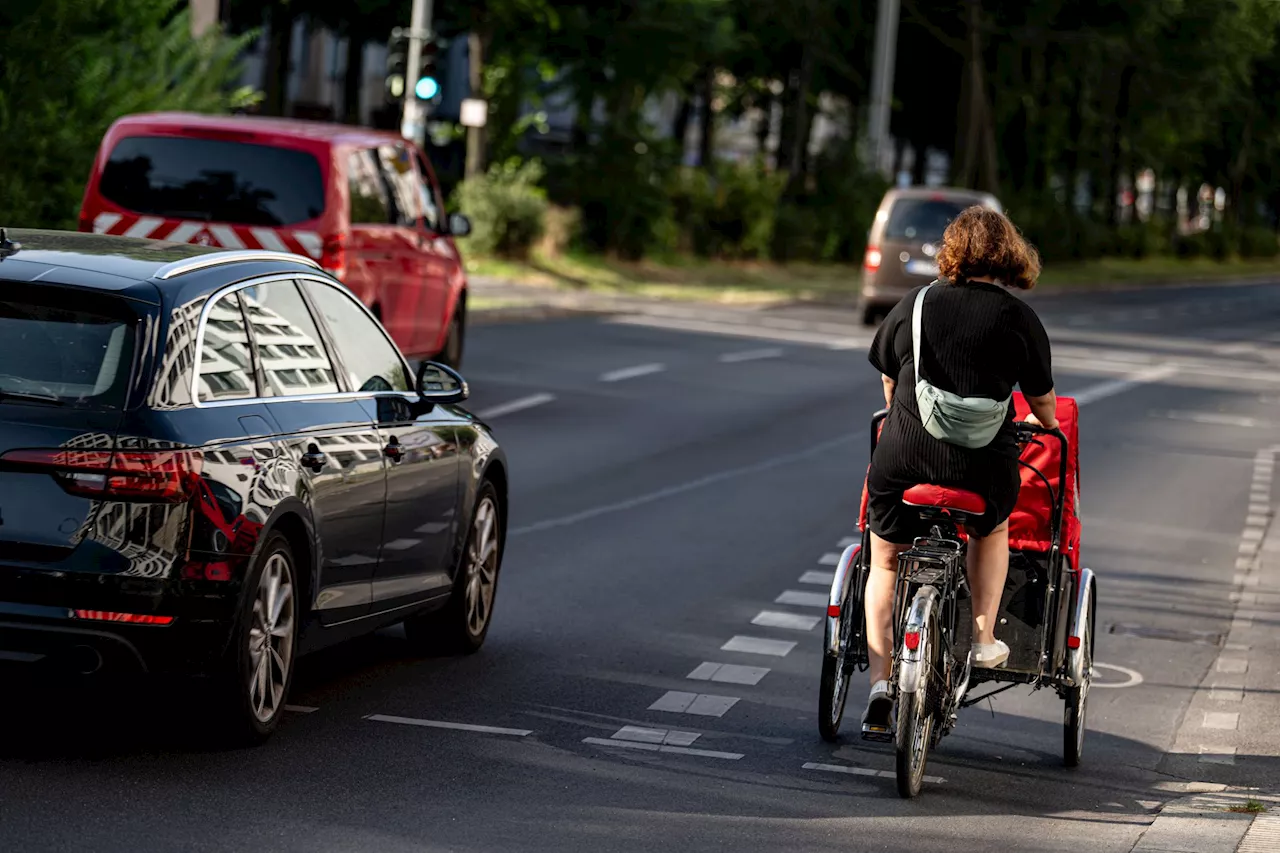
column 983, row 243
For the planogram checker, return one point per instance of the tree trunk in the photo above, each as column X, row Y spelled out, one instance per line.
column 353, row 79
column 680, row 127
column 1236, row 213
column 707, row 120
column 764, row 128
column 275, row 81
column 476, row 44
column 804, row 122
column 1116, row 153
column 921, row 163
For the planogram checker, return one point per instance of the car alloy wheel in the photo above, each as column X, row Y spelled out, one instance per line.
column 481, row 567
column 271, row 638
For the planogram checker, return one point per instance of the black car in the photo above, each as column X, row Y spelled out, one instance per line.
column 212, row 462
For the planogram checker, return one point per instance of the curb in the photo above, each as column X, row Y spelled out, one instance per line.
column 1203, row 823
column 528, row 313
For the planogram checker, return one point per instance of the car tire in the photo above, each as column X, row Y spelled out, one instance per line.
column 254, row 685
column 460, row 627
column 451, row 355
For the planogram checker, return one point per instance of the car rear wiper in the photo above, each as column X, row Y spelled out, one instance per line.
column 24, row 397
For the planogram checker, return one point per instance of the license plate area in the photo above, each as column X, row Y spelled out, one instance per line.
column 924, row 268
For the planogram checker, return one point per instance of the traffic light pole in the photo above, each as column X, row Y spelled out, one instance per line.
column 413, row 124
column 882, row 83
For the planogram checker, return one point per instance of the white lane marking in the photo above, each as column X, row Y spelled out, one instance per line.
column 1235, row 665
column 829, row 559
column 803, row 599
column 688, row 486
column 819, row 578
column 441, row 724
column 790, row 621
column 1221, row 720
column 759, row 646
column 1214, row 419
column 1253, row 520
column 1132, row 677
column 518, row 405
column 1220, row 693
column 670, row 737
column 850, row 540
column 1217, row 755
column 1111, row 387
column 863, row 771
column 1260, row 510
column 701, row 704
column 103, row 222
column 751, row 355
column 728, row 673
column 402, row 544
column 143, row 227
column 269, row 239
column 226, row 236
column 740, row 330
column 1251, row 533
column 632, row 372
column 654, row 747
column 301, row 709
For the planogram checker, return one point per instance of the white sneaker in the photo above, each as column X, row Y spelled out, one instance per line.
column 989, row 655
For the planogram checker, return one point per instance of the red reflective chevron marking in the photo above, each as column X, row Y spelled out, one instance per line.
column 221, row 235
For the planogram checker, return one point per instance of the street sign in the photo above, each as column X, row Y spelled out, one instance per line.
column 474, row 112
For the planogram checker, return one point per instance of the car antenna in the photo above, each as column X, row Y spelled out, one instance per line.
column 7, row 246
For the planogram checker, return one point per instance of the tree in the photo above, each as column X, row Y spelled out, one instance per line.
column 114, row 57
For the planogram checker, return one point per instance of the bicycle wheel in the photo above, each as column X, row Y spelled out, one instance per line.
column 836, row 668
column 914, row 734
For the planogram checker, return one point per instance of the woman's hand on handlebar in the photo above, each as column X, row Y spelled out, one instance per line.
column 1034, row 421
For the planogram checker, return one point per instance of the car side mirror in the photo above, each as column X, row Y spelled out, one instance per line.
column 440, row 384
column 459, row 225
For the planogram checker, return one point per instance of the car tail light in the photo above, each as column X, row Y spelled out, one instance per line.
column 132, row 618
column 333, row 256
column 86, row 222
column 872, row 260
column 163, row 476
column 911, row 640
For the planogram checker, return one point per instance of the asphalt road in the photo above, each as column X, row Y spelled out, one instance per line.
column 669, row 486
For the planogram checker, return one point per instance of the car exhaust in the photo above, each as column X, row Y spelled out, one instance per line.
column 84, row 660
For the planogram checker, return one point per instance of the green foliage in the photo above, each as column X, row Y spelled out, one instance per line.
column 506, row 206
column 728, row 213
column 69, row 68
column 1259, row 242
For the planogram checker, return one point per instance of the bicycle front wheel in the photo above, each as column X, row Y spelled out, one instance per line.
column 914, row 733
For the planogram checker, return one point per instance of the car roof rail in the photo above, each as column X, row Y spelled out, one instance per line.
column 214, row 259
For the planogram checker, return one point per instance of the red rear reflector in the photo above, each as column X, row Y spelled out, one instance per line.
column 1073, row 642
column 333, row 256
column 833, row 610
column 911, row 640
column 872, row 260
column 166, row 476
column 132, row 618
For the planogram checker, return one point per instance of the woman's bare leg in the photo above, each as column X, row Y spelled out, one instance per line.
column 988, row 569
column 879, row 605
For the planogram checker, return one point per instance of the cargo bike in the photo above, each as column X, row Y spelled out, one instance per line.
column 1046, row 613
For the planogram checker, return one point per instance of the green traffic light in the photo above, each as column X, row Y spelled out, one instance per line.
column 427, row 88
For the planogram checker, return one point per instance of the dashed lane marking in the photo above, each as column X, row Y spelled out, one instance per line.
column 821, row 578
column 790, row 621
column 751, row 355
column 670, row 737
column 656, row 747
column 1217, row 755
column 441, row 724
column 802, row 599
column 863, row 771
column 829, row 559
column 632, row 372
column 759, row 646
column 1102, row 390
column 700, row 704
column 520, row 404
column 1237, row 665
column 728, row 673
column 1221, row 720
column 850, row 540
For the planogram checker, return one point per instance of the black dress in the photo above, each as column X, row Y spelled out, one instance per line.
column 979, row 340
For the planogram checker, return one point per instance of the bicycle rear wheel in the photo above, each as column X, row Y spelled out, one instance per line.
column 833, row 690
column 915, row 719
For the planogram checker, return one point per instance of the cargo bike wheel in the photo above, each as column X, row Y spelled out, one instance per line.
column 1076, row 697
column 844, row 648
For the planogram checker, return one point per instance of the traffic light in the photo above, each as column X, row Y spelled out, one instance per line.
column 397, row 64
column 427, row 86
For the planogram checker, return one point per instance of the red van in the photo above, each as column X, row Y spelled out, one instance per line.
column 364, row 203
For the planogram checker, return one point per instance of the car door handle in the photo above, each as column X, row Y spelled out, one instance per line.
column 314, row 459
column 393, row 451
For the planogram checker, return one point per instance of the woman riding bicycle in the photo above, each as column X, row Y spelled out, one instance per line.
column 977, row 340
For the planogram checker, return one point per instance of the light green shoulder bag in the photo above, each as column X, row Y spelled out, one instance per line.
column 970, row 422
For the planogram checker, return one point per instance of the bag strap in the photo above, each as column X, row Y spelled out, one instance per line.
column 916, row 312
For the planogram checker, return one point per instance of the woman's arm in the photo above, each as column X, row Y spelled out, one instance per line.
column 889, row 385
column 1044, row 410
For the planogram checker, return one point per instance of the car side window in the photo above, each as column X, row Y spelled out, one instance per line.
column 372, row 361
column 402, row 177
column 226, row 361
column 293, row 357
column 369, row 199
column 430, row 210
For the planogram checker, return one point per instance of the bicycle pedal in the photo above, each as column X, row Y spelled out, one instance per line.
column 879, row 734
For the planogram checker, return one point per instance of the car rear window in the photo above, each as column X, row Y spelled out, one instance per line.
column 62, row 347
column 921, row 219
column 213, row 179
